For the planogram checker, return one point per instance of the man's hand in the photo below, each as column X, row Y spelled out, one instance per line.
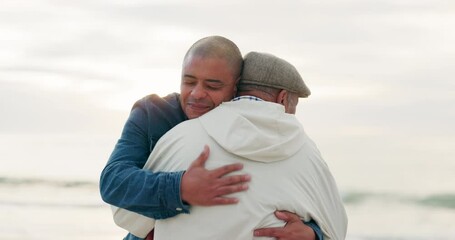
column 208, row 187
column 294, row 229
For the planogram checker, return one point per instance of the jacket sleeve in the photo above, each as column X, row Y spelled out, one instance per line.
column 317, row 230
column 125, row 184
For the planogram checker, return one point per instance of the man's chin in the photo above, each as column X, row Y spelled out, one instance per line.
column 195, row 114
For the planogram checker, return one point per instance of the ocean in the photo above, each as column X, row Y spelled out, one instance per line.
column 56, row 194
column 42, row 209
column 49, row 188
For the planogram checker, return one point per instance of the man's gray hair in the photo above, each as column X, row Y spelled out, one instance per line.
column 272, row 92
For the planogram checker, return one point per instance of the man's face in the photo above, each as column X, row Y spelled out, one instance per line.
column 206, row 82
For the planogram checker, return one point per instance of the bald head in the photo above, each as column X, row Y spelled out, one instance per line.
column 217, row 47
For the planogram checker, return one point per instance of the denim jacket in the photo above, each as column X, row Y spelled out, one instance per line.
column 123, row 182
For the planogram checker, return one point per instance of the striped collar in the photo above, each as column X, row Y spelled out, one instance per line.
column 248, row 97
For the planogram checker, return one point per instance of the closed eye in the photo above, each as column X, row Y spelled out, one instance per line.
column 187, row 80
column 214, row 84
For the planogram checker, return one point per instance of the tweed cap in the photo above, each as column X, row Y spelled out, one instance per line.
column 268, row 70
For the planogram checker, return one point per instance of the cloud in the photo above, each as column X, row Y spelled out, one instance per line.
column 375, row 67
column 29, row 109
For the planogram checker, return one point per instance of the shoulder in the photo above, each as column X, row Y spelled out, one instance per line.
column 156, row 106
column 156, row 115
column 155, row 101
column 153, row 109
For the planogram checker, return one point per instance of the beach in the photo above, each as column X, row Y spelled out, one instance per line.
column 34, row 209
column 64, row 200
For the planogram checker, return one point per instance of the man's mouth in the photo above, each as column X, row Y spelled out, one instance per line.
column 198, row 106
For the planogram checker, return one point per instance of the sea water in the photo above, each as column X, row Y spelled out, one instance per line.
column 50, row 190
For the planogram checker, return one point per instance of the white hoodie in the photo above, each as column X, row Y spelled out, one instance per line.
column 286, row 168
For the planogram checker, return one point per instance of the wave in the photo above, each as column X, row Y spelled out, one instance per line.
column 46, row 182
column 47, row 193
column 51, row 204
column 443, row 200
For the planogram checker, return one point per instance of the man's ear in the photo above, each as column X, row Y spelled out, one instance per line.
column 282, row 97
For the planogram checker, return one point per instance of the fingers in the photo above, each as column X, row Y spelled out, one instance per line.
column 202, row 158
column 226, row 169
column 287, row 216
column 221, row 191
column 276, row 232
column 218, row 172
column 236, row 179
column 203, row 187
column 293, row 230
column 224, row 201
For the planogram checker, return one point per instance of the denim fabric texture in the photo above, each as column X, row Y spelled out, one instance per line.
column 123, row 182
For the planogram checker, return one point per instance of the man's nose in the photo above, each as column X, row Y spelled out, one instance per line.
column 198, row 92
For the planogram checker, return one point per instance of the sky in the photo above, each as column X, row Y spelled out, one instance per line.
column 381, row 75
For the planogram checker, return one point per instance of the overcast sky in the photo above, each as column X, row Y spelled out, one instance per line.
column 381, row 72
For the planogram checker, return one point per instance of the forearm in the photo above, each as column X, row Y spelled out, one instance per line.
column 155, row 195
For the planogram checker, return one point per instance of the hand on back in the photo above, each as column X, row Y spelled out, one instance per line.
column 204, row 187
column 294, row 229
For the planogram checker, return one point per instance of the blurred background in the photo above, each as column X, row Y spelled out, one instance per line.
column 381, row 110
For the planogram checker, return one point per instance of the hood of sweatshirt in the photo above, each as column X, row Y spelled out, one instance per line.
column 256, row 130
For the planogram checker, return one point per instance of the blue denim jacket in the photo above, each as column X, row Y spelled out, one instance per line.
column 125, row 184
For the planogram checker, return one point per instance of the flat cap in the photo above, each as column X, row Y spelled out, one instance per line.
column 268, row 70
